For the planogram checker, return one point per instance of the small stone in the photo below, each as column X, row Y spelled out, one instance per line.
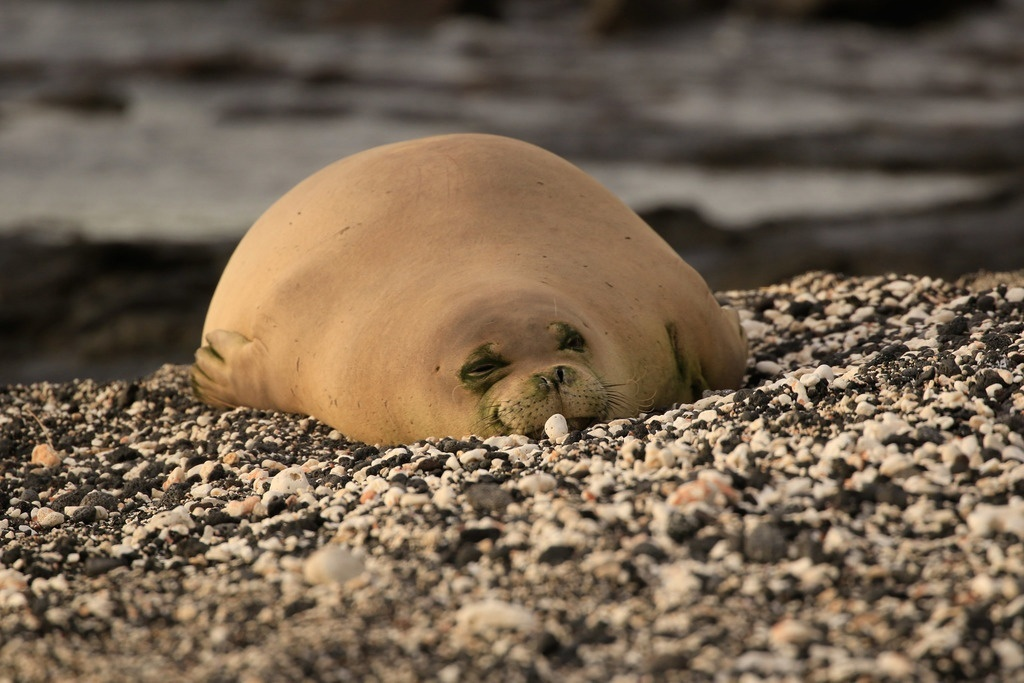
column 44, row 454
column 765, row 543
column 538, row 482
column 241, row 508
column 865, row 409
column 84, row 514
column 290, row 480
column 792, row 632
column 1011, row 655
column 95, row 566
column 444, row 497
column 100, row 499
column 488, row 497
column 556, row 554
column 895, row 665
column 556, row 427
column 47, row 518
column 987, row 520
column 177, row 519
column 707, row 416
column 491, row 615
column 331, row 564
column 472, row 456
column 768, row 367
column 1015, row 295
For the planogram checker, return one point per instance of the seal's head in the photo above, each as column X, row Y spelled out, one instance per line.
column 519, row 381
column 507, row 362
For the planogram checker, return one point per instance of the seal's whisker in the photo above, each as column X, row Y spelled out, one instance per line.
column 490, row 421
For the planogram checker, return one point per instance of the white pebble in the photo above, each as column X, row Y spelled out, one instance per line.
column 986, row 520
column 768, row 367
column 556, row 427
column 864, row 408
column 708, row 416
column 472, row 456
column 445, row 497
column 539, row 482
column 826, row 373
column 414, row 500
column 862, row 314
column 47, row 518
column 289, row 480
column 895, row 665
column 241, row 508
column 1015, row 294
column 331, row 564
column 1011, row 656
column 177, row 520
column 488, row 615
column 791, row 631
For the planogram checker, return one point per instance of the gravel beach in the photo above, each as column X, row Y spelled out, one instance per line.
column 855, row 512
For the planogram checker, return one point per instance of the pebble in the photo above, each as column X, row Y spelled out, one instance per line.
column 768, row 367
column 793, row 632
column 47, row 518
column 332, row 564
column 539, row 482
column 487, row 616
column 809, row 515
column 488, row 498
column 556, row 427
column 986, row 520
column 289, row 480
column 45, row 455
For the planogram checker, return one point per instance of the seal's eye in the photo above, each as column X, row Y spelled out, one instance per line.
column 567, row 337
column 573, row 342
column 481, row 367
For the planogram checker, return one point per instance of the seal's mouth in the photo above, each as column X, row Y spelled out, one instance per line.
column 578, row 424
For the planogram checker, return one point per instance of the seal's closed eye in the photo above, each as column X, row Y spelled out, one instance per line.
column 479, row 370
column 569, row 338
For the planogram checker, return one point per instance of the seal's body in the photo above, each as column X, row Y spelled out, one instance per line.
column 454, row 285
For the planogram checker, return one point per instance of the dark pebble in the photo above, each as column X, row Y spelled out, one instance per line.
column 765, row 543
column 84, row 515
column 94, row 566
column 651, row 550
column 175, row 495
column 66, row 499
column 101, row 499
column 557, row 554
column 122, row 454
column 477, row 534
column 488, row 497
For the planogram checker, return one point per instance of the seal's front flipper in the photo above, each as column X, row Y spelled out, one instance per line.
column 228, row 369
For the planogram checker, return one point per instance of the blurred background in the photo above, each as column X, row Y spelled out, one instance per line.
column 762, row 138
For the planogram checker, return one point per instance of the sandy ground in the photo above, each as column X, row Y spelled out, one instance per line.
column 853, row 512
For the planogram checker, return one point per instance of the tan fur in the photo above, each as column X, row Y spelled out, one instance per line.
column 357, row 297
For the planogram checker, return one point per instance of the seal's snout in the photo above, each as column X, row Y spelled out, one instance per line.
column 557, row 377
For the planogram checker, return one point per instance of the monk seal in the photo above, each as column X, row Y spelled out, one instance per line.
column 454, row 285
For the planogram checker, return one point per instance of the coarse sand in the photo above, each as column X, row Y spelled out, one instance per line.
column 855, row 512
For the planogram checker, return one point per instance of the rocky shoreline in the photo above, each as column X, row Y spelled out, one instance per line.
column 853, row 512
